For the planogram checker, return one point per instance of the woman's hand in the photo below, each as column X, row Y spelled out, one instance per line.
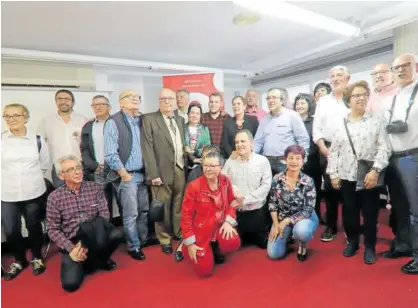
column 336, row 183
column 193, row 249
column 370, row 180
column 197, row 160
column 282, row 225
column 228, row 231
column 235, row 204
column 274, row 232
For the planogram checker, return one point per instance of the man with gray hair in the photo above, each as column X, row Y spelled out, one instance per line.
column 77, row 222
column 182, row 100
column 251, row 178
column 330, row 111
column 400, row 113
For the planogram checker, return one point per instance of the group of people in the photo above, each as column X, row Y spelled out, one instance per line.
column 215, row 182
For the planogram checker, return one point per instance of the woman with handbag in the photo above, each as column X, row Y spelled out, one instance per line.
column 358, row 156
column 24, row 161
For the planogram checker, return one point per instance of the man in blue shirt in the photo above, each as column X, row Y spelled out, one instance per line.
column 123, row 156
column 279, row 129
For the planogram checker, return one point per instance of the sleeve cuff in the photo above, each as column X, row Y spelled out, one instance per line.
column 190, row 240
column 69, row 246
column 231, row 221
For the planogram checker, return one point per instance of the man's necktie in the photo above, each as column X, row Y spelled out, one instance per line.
column 172, row 126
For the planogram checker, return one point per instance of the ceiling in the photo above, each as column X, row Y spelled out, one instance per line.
column 189, row 33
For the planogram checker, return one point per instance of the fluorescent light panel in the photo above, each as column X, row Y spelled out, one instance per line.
column 293, row 13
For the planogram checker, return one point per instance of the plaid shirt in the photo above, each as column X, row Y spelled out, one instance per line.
column 66, row 210
column 215, row 126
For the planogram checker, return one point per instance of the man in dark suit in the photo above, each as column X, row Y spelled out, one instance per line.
column 92, row 146
column 162, row 141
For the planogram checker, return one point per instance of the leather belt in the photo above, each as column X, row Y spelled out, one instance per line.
column 405, row 153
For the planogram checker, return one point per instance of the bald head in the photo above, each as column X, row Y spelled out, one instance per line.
column 167, row 98
column 129, row 100
column 404, row 70
column 381, row 76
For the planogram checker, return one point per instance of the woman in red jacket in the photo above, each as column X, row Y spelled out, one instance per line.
column 208, row 217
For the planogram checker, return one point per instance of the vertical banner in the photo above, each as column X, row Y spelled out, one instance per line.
column 200, row 86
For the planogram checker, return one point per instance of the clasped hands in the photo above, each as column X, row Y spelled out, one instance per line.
column 78, row 253
column 238, row 202
column 370, row 180
column 277, row 229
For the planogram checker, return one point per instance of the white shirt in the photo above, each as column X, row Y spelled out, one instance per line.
column 98, row 141
column 370, row 141
column 177, row 142
column 252, row 178
column 184, row 115
column 409, row 140
column 22, row 167
column 63, row 139
column 329, row 113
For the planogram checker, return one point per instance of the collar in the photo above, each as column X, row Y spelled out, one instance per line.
column 385, row 89
column 133, row 119
column 284, row 110
column 96, row 120
column 365, row 116
column 71, row 115
column 249, row 158
column 7, row 133
column 253, row 109
column 303, row 178
column 409, row 87
column 68, row 189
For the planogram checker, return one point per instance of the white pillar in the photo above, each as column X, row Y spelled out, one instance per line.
column 406, row 39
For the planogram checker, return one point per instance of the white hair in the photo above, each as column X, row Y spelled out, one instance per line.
column 59, row 161
column 340, row 68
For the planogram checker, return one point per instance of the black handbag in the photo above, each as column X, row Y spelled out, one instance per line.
column 364, row 166
column 156, row 209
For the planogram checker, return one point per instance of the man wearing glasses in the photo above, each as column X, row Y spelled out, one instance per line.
column 62, row 130
column 162, row 140
column 383, row 87
column 124, row 167
column 401, row 114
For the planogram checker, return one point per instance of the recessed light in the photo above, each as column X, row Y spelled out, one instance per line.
column 245, row 19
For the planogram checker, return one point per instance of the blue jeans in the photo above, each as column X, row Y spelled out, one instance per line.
column 134, row 200
column 303, row 232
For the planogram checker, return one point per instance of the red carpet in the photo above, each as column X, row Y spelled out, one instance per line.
column 247, row 279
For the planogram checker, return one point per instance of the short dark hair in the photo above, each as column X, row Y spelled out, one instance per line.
column 183, row 91
column 216, row 94
column 309, row 99
column 322, row 85
column 215, row 155
column 211, row 148
column 101, row 96
column 194, row 104
column 295, row 149
column 245, row 131
column 67, row 92
column 244, row 101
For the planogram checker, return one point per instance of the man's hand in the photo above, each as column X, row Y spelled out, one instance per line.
column 157, row 182
column 336, row 183
column 187, row 149
column 235, row 204
column 99, row 169
column 127, row 178
column 193, row 249
column 228, row 231
column 78, row 253
column 324, row 151
column 370, row 180
column 234, row 155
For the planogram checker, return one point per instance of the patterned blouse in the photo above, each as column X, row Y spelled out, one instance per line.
column 297, row 204
column 371, row 143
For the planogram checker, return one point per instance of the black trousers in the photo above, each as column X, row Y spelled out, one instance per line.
column 313, row 169
column 332, row 198
column 400, row 215
column 11, row 213
column 254, row 226
column 368, row 203
column 73, row 273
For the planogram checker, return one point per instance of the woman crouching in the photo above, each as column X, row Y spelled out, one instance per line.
column 208, row 217
column 291, row 205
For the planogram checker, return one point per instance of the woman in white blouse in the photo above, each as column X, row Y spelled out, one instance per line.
column 24, row 160
column 371, row 143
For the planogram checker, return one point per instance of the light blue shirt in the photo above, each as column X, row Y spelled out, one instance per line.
column 275, row 134
column 111, row 134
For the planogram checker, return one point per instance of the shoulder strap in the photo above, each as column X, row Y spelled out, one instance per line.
column 411, row 101
column 349, row 137
column 38, row 141
column 392, row 108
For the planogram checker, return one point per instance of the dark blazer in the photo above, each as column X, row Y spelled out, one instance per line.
column 87, row 150
column 158, row 148
column 230, row 129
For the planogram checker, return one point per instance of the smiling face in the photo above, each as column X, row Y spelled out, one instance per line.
column 194, row 115
column 167, row 97
column 215, row 103
column 238, row 106
column 294, row 162
column 15, row 117
column 243, row 144
column 71, row 172
column 101, row 107
column 358, row 99
column 403, row 70
column 381, row 76
column 320, row 92
column 274, row 100
column 302, row 106
column 211, row 167
column 339, row 80
column 64, row 102
column 130, row 100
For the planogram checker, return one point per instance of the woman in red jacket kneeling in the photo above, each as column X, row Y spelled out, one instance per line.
column 208, row 217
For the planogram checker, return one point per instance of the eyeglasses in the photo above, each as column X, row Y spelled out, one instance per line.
column 170, row 98
column 13, row 116
column 357, row 96
column 99, row 105
column 73, row 170
column 132, row 97
column 401, row 66
column 210, row 166
column 63, row 99
column 379, row 72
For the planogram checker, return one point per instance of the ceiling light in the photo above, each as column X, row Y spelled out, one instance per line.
column 245, row 19
column 293, row 13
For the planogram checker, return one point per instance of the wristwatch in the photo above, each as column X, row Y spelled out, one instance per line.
column 377, row 170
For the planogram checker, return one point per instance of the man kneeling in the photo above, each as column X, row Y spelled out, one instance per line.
column 77, row 221
column 208, row 217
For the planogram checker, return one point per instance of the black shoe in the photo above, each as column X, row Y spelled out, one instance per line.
column 178, row 254
column 411, row 268
column 109, row 265
column 395, row 254
column 15, row 269
column 369, row 256
column 38, row 267
column 304, row 255
column 290, row 240
column 137, row 255
column 328, row 235
column 217, row 256
column 149, row 242
column 351, row 249
column 167, row 249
